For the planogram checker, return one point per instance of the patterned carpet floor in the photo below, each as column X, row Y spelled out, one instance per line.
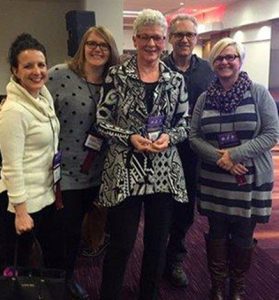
column 268, row 234
column 262, row 280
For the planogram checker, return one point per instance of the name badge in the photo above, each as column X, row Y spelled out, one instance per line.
column 93, row 142
column 154, row 127
column 56, row 166
column 228, row 139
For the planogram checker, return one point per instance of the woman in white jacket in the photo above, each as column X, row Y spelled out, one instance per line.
column 28, row 140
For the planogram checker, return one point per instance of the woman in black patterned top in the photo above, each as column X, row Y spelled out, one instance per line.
column 143, row 116
column 234, row 126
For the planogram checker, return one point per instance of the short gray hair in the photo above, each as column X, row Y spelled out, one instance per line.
column 224, row 43
column 182, row 17
column 150, row 17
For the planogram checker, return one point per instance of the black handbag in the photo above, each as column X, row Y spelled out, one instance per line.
column 32, row 284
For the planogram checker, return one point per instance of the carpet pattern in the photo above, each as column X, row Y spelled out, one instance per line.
column 268, row 234
column 262, row 280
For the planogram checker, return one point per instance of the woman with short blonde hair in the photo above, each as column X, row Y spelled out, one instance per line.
column 234, row 126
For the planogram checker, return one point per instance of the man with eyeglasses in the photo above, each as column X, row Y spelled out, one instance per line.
column 197, row 75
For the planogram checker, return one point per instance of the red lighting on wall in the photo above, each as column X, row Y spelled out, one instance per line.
column 203, row 15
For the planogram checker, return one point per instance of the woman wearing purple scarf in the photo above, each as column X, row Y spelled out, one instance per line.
column 234, row 126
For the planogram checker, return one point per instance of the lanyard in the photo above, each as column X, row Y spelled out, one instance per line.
column 93, row 144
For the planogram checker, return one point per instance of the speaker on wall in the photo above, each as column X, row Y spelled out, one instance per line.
column 77, row 22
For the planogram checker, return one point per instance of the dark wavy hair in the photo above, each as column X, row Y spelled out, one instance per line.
column 24, row 41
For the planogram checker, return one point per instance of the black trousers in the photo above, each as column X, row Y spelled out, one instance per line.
column 3, row 229
column 183, row 213
column 45, row 229
column 76, row 204
column 240, row 232
column 124, row 220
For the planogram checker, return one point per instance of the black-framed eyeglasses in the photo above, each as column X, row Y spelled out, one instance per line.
column 146, row 38
column 228, row 58
column 93, row 45
column 180, row 35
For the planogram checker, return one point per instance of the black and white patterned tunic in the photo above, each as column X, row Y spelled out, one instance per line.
column 123, row 112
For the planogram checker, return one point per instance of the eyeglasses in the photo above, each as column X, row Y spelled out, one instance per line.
column 146, row 38
column 93, row 45
column 180, row 35
column 228, row 58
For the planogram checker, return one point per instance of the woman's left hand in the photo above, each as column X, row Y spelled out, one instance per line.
column 238, row 169
column 161, row 144
column 225, row 162
column 140, row 143
column 23, row 221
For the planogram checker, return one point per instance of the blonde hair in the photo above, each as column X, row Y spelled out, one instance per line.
column 76, row 64
column 224, row 43
column 150, row 17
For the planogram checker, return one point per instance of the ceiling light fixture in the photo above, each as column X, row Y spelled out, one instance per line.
column 131, row 12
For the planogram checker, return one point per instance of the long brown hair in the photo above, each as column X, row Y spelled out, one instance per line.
column 76, row 64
